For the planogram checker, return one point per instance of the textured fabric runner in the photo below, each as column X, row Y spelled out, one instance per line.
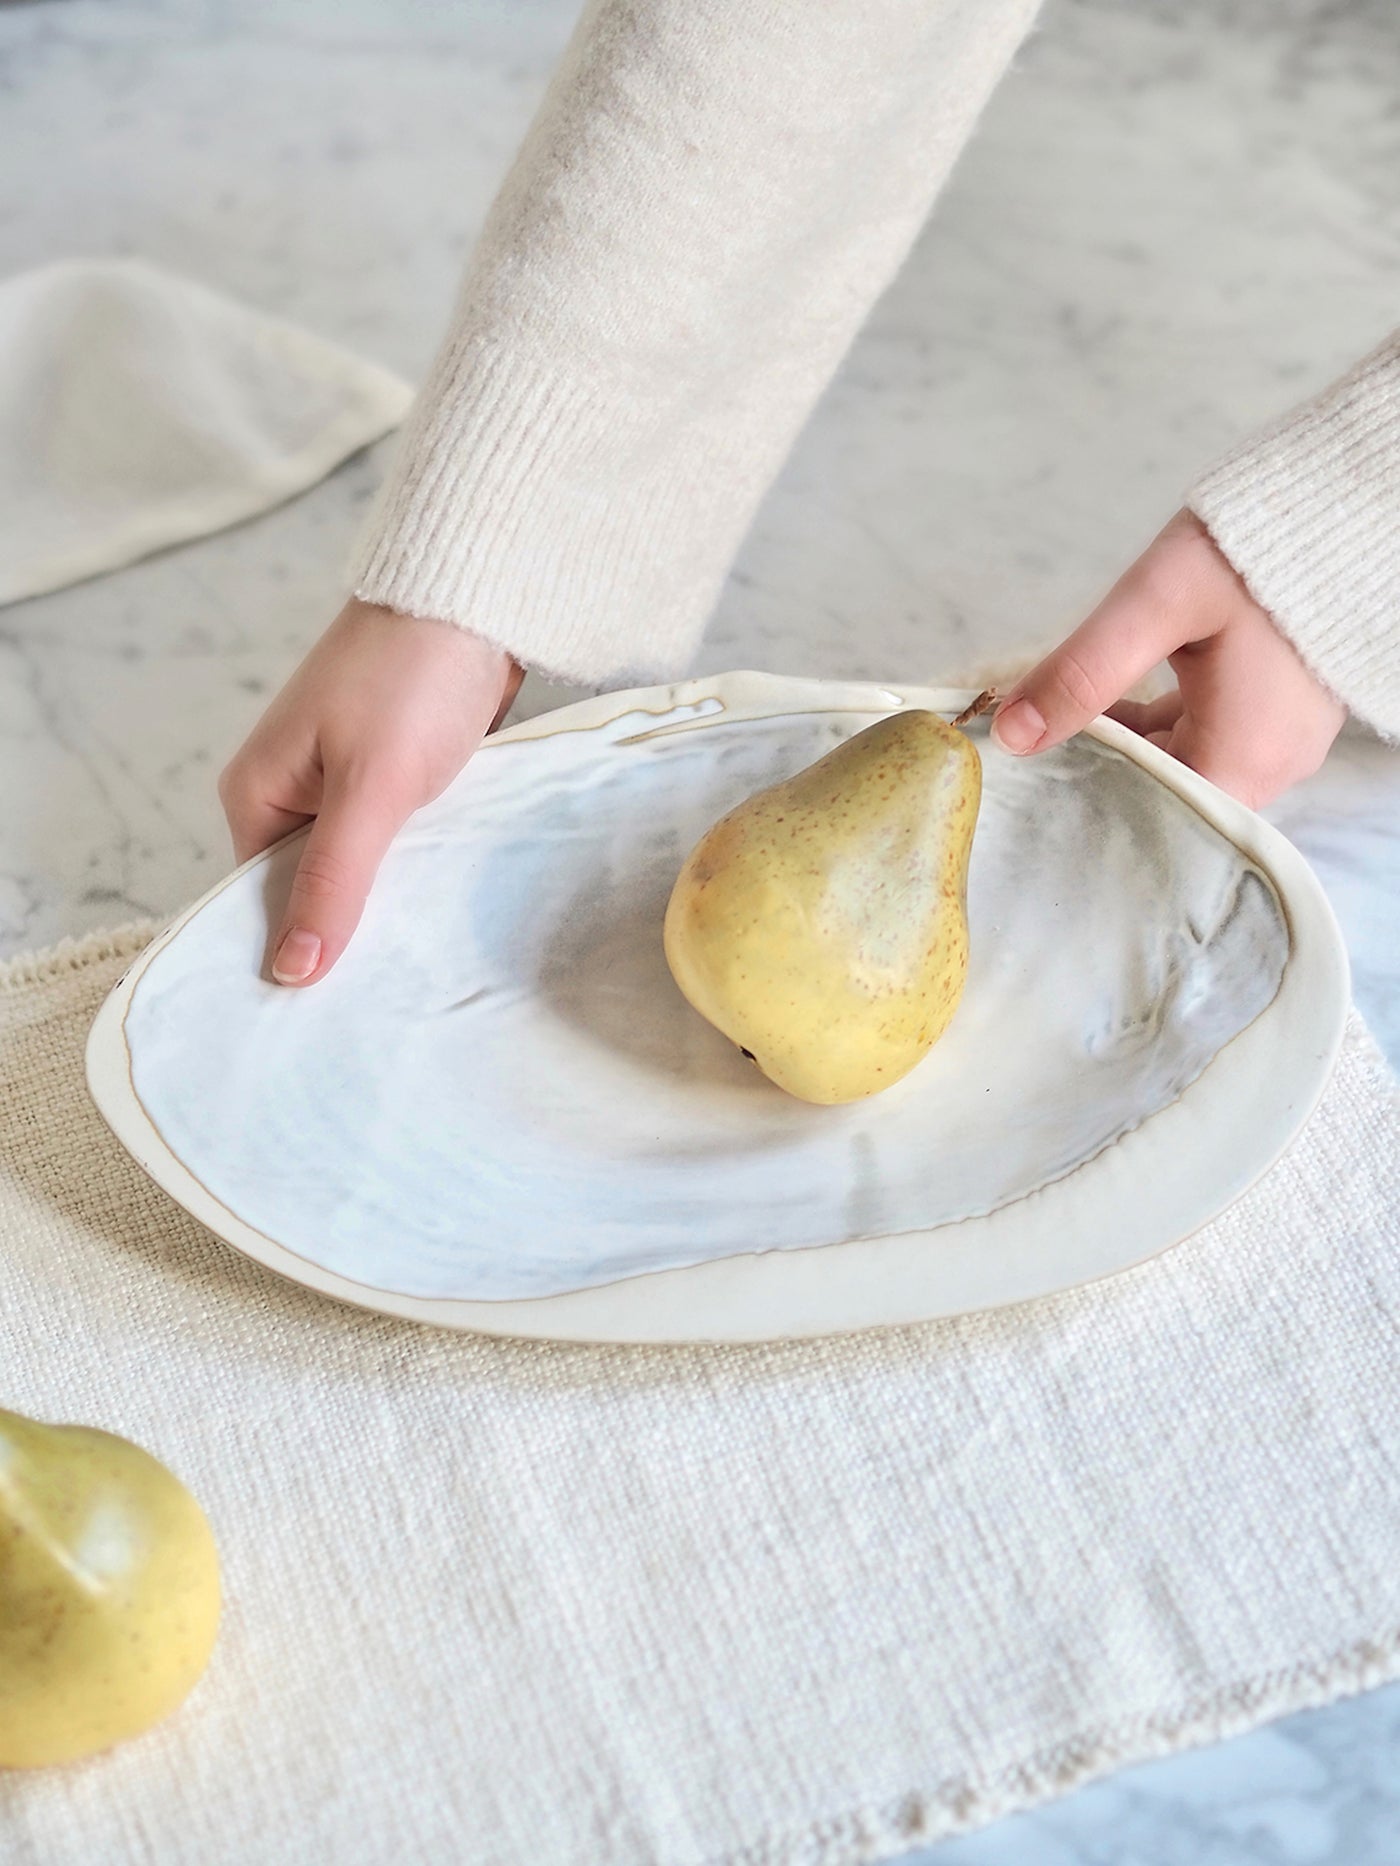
column 526, row 1605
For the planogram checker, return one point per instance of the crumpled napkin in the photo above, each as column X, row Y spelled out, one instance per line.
column 140, row 410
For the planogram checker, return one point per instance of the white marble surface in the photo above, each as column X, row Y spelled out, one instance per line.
column 1176, row 219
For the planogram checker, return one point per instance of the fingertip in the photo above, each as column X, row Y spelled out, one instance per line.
column 297, row 958
column 1148, row 718
column 1019, row 727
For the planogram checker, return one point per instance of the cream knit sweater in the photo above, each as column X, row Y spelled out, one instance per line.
column 711, row 197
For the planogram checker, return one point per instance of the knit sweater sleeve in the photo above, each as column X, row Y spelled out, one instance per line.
column 708, row 202
column 1309, row 514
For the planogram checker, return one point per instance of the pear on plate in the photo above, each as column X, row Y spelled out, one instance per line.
column 109, row 1591
column 822, row 924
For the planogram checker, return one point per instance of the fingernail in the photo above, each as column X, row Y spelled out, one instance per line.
column 297, row 957
column 1018, row 727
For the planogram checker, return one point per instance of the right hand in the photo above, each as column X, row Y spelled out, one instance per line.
column 1247, row 713
column 379, row 718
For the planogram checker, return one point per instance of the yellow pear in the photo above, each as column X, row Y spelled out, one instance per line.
column 109, row 1591
column 822, row 924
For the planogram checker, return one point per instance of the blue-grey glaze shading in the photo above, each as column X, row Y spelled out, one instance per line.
column 500, row 1093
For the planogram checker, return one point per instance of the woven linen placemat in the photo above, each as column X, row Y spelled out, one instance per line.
column 517, row 1604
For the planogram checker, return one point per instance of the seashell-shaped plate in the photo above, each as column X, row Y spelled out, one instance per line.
column 498, row 1113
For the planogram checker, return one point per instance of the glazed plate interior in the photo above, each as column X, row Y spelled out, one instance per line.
column 498, row 1112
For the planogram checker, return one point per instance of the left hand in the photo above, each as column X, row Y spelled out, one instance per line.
column 1247, row 713
column 378, row 719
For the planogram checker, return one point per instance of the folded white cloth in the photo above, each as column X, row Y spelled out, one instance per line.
column 139, row 410
column 517, row 1604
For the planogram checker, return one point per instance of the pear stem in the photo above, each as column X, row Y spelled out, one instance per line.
column 985, row 699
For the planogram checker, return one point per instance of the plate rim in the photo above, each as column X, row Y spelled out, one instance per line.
column 842, row 1287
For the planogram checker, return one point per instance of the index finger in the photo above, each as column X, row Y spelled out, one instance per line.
column 254, row 824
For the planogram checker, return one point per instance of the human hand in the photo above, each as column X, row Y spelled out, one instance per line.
column 379, row 718
column 1247, row 714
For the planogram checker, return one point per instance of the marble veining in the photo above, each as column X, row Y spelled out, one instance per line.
column 1175, row 219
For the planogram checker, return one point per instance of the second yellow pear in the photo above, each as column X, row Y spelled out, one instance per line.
column 109, row 1591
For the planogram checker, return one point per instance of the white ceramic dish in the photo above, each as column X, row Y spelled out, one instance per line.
column 497, row 1112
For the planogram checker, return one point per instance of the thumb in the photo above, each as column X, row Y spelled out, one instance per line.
column 1159, row 603
column 1121, row 641
column 341, row 857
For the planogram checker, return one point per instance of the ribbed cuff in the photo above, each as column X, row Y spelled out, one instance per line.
column 579, row 527
column 1309, row 514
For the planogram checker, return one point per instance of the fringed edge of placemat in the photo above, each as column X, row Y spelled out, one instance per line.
column 72, row 955
column 863, row 1836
